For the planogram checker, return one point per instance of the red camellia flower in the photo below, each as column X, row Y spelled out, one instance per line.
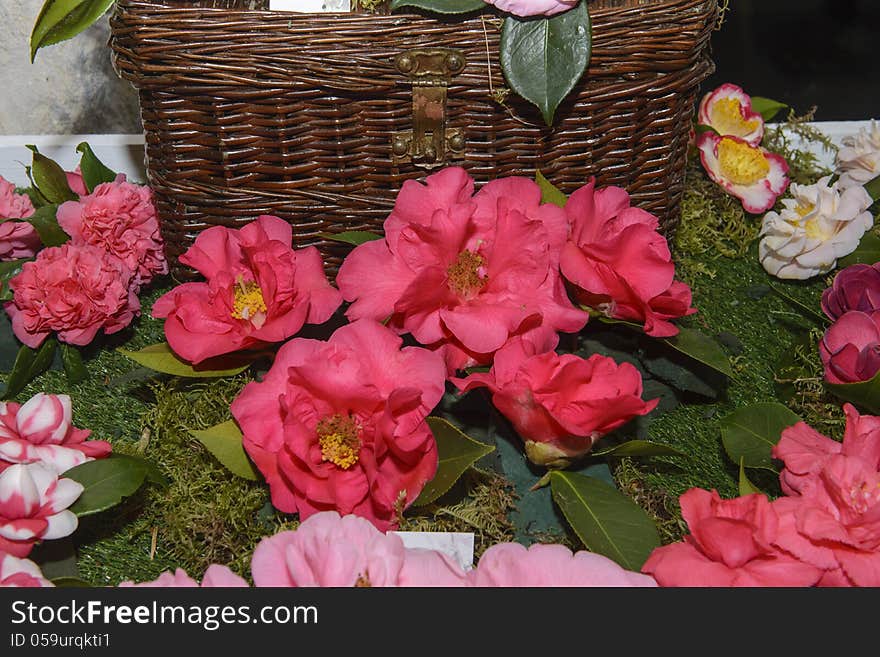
column 464, row 273
column 850, row 349
column 74, row 290
column 855, row 288
column 732, row 543
column 340, row 425
column 258, row 291
column 561, row 405
column 120, row 218
column 619, row 263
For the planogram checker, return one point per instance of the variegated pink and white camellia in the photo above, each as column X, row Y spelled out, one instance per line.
column 21, row 573
column 728, row 111
column 33, row 507
column 41, row 431
column 750, row 173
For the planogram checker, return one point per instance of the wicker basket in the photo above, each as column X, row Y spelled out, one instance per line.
column 314, row 117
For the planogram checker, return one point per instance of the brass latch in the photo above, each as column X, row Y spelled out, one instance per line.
column 429, row 144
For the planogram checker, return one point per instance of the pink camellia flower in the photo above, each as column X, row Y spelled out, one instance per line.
column 856, row 287
column 216, row 576
column 42, row 431
column 33, row 507
column 332, row 551
column 805, row 451
column 74, row 290
column 120, row 218
column 18, row 239
column 850, row 349
column 533, row 7
column 464, row 273
column 76, row 182
column 511, row 564
column 259, row 291
column 728, row 111
column 561, row 405
column 340, row 425
column 619, row 262
column 732, row 543
column 22, row 573
column 750, row 173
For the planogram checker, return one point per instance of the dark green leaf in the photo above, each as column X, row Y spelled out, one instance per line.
column 29, row 364
column 865, row 395
column 873, row 188
column 746, row 487
column 803, row 309
column 607, row 521
column 441, row 6
column 224, row 441
column 73, row 364
column 355, row 237
column 550, row 193
column 702, row 348
column 767, row 107
column 639, row 448
column 93, row 170
column 56, row 558
column 70, row 583
column 45, row 223
column 50, row 178
column 160, row 358
column 543, row 58
column 457, row 452
column 699, row 129
column 106, row 482
column 749, row 433
column 62, row 19
column 9, row 270
column 866, row 253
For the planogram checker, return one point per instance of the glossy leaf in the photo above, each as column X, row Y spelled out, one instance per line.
column 543, row 58
column 440, row 6
column 749, row 433
column 50, row 178
column 746, row 487
column 866, row 253
column 62, row 19
column 550, row 193
column 94, row 172
column 702, row 348
column 355, row 237
column 607, row 521
column 74, row 368
column 224, row 441
column 45, row 223
column 160, row 358
column 29, row 364
column 639, row 448
column 457, row 452
column 9, row 270
column 106, row 482
column 767, row 107
column 865, row 395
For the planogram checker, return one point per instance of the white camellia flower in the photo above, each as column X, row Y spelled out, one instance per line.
column 858, row 160
column 819, row 224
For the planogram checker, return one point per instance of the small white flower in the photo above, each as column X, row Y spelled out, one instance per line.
column 818, row 225
column 858, row 160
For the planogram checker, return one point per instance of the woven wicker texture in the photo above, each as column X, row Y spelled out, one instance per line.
column 250, row 112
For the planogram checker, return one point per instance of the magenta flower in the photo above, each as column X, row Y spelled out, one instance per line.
column 850, row 350
column 534, row 7
column 855, row 288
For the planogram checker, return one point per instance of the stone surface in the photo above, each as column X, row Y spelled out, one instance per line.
column 71, row 88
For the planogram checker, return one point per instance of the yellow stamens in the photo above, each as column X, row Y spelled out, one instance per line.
column 726, row 117
column 339, row 437
column 803, row 209
column 463, row 275
column 363, row 581
column 815, row 230
column 741, row 163
column 248, row 301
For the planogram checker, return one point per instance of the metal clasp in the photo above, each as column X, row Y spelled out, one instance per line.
column 429, row 144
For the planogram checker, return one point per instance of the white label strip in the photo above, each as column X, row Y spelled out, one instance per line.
column 310, row 6
column 459, row 546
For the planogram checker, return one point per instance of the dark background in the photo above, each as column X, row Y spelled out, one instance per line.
column 804, row 53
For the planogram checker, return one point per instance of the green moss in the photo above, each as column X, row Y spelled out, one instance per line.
column 789, row 139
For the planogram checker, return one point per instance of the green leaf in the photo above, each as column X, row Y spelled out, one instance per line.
column 873, row 188
column 45, row 223
column 224, row 441
column 56, row 558
column 866, row 253
column 865, row 394
column 746, row 487
column 62, row 19
column 699, row 129
column 74, row 368
column 70, row 583
column 607, row 521
column 639, row 448
column 544, row 58
column 749, row 433
column 160, row 358
column 93, row 170
column 457, row 452
column 50, row 178
column 29, row 364
column 355, row 237
column 441, row 6
column 803, row 309
column 702, row 348
column 106, row 482
column 767, row 107
column 550, row 193
column 9, row 270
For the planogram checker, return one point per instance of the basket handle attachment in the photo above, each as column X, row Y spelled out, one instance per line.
column 430, row 143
